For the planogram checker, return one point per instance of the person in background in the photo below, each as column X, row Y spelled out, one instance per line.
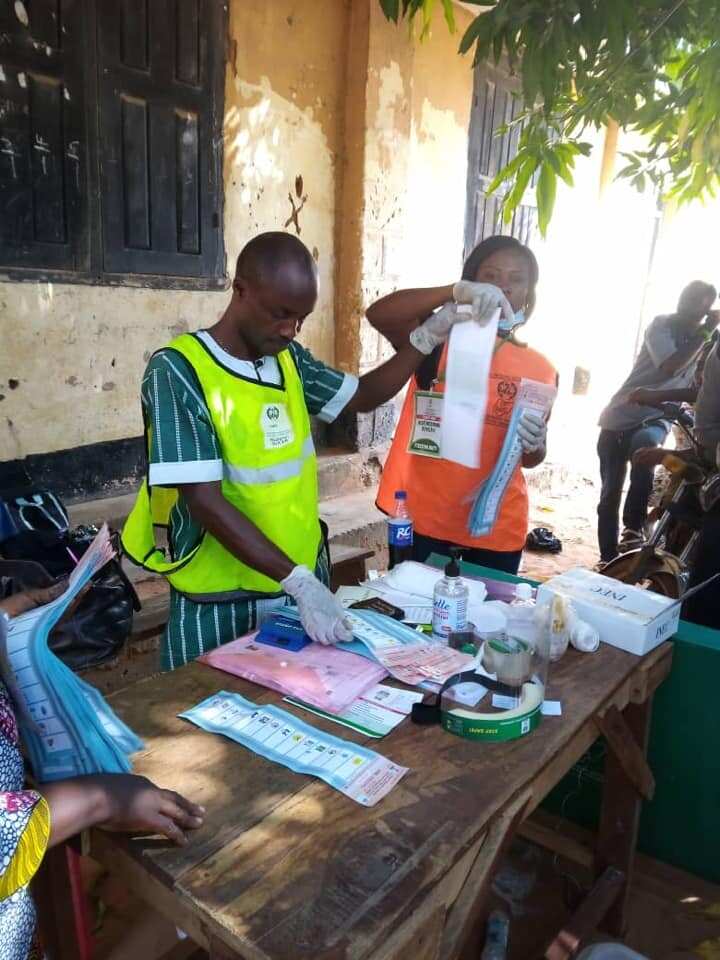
column 500, row 272
column 232, row 465
column 704, row 607
column 666, row 361
column 32, row 820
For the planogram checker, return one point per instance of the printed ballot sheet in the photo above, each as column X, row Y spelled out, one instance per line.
column 470, row 353
column 406, row 654
column 359, row 773
column 377, row 712
column 66, row 726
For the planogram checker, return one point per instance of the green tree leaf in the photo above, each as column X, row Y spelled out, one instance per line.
column 546, row 189
column 391, row 9
column 449, row 13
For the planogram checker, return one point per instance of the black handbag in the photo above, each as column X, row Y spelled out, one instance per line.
column 102, row 621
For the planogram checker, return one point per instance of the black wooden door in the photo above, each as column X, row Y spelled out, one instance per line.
column 489, row 150
column 161, row 194
column 43, row 149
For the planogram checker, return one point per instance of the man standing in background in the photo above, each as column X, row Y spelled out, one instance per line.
column 666, row 362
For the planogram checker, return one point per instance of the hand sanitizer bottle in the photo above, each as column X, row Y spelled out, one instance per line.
column 450, row 601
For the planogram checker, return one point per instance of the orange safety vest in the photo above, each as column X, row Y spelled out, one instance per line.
column 440, row 493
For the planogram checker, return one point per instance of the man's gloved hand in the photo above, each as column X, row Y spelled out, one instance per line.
column 436, row 329
column 321, row 614
column 484, row 298
column 532, row 430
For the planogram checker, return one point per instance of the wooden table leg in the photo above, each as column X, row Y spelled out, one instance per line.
column 467, row 910
column 620, row 815
column 61, row 905
column 588, row 916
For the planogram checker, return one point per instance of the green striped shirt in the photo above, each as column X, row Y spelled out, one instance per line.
column 185, row 449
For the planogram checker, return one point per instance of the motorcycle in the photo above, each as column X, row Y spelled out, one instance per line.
column 663, row 562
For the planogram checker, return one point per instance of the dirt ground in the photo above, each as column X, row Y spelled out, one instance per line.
column 570, row 512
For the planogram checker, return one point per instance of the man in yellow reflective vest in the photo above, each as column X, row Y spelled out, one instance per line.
column 232, row 471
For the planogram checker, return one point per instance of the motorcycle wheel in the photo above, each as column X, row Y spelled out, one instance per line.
column 657, row 581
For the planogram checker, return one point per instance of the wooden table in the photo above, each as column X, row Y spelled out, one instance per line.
column 286, row 868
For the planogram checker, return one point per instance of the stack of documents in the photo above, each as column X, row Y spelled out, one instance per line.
column 66, row 726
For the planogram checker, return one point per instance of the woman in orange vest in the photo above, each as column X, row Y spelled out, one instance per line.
column 440, row 493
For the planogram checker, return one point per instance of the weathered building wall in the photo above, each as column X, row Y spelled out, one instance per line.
column 416, row 102
column 72, row 355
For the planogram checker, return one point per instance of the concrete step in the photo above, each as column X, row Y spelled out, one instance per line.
column 340, row 472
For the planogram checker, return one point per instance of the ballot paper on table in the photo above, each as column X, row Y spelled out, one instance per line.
column 404, row 653
column 470, row 353
column 378, row 711
column 66, row 726
column 359, row 773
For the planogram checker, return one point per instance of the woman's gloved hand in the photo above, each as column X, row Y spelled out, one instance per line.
column 321, row 614
column 436, row 329
column 484, row 298
column 532, row 430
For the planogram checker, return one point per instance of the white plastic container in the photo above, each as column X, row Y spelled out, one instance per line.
column 521, row 615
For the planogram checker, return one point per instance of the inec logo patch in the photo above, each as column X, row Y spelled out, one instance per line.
column 276, row 426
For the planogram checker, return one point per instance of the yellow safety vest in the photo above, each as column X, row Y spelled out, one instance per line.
column 270, row 476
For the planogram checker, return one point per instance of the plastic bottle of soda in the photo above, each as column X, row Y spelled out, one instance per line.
column 400, row 531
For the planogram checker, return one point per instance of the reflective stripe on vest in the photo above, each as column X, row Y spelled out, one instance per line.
column 440, row 493
column 269, row 475
column 281, row 471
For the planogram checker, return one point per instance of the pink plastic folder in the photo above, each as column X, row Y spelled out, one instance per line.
column 326, row 677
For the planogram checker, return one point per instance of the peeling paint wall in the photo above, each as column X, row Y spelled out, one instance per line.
column 73, row 355
column 419, row 97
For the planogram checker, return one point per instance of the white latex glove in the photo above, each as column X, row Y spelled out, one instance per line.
column 436, row 329
column 321, row 614
column 532, row 430
column 484, row 298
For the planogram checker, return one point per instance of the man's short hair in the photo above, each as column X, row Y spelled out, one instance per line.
column 694, row 296
column 265, row 254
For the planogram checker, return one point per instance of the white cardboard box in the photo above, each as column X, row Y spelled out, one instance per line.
column 626, row 617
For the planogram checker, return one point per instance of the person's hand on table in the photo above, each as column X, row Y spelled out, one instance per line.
column 118, row 802
column 484, row 298
column 532, row 431
column 136, row 805
column 321, row 613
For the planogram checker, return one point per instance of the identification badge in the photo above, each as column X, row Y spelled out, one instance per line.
column 425, row 437
column 276, row 426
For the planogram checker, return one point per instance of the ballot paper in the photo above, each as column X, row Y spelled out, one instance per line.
column 531, row 395
column 470, row 353
column 359, row 773
column 377, row 712
column 66, row 726
column 405, row 653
